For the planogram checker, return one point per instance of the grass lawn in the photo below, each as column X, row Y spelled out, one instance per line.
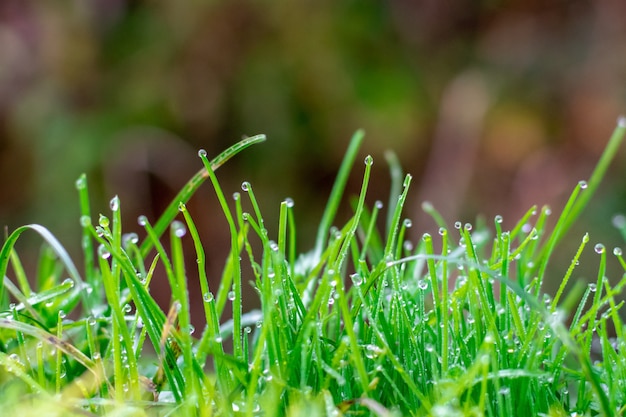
column 365, row 323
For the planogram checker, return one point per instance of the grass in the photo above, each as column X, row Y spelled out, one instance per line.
column 366, row 323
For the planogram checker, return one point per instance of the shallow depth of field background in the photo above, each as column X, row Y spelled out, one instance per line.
column 492, row 106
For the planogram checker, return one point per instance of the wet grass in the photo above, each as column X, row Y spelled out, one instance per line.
column 366, row 323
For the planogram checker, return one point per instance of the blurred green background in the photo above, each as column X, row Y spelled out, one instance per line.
column 492, row 105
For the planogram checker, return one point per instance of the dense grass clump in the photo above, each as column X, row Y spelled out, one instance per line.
column 366, row 323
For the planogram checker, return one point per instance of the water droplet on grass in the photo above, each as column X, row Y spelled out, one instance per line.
column 103, row 221
column 179, row 228
column 582, row 184
column 207, row 297
column 617, row 251
column 619, row 221
column 498, row 219
column 104, row 252
column 599, row 248
column 289, row 202
column 85, row 221
column 201, row 153
column 369, row 160
column 407, row 223
column 592, row 287
column 245, row 186
column 142, row 220
column 378, row 204
column 468, row 226
column 129, row 239
column 231, row 295
column 621, row 121
column 81, row 182
column 357, row 279
column 458, row 225
column 115, row 203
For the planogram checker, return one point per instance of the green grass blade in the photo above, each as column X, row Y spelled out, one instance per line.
column 192, row 186
column 337, row 192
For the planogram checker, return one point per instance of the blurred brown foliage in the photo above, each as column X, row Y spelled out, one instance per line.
column 492, row 106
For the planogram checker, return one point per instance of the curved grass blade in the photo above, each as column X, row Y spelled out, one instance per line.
column 7, row 248
column 190, row 188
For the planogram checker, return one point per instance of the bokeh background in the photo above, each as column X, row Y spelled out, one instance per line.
column 492, row 105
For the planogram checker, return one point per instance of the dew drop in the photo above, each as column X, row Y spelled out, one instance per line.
column 426, row 237
column 245, row 186
column 103, row 221
column 378, row 204
column 407, row 180
column 115, row 203
column 369, row 160
column 599, row 248
column 621, row 121
column 617, row 251
column 547, row 211
column 458, row 225
column 62, row 314
column 289, row 202
column 442, row 231
column 68, row 282
column 202, row 153
column 422, row 284
column 582, row 184
column 142, row 220
column 619, row 221
column 273, row 246
column 407, row 223
column 231, row 295
column 81, row 182
column 592, row 287
column 127, row 308
column 104, row 252
column 468, row 226
column 178, row 228
column 357, row 279
column 91, row 321
column 191, row 329
column 207, row 297
column 498, row 219
column 236, row 196
column 407, row 245
column 129, row 239
column 85, row 221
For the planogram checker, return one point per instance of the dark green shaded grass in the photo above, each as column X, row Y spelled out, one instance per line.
column 366, row 323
